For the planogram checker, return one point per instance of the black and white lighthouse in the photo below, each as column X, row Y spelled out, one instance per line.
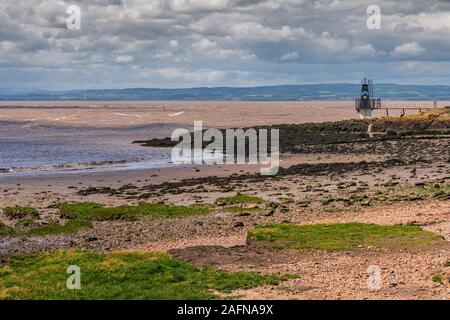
column 367, row 103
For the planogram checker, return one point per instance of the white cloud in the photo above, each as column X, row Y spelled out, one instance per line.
column 205, row 44
column 198, row 5
column 329, row 42
column 255, row 31
column 408, row 49
column 291, row 56
column 366, row 51
column 173, row 43
column 124, row 59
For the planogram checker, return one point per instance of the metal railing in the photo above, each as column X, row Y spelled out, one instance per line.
column 367, row 104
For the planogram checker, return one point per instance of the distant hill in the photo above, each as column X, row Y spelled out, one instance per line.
column 268, row 93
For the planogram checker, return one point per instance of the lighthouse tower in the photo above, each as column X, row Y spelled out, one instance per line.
column 366, row 103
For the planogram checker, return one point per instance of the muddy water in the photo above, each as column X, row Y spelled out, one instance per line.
column 40, row 137
column 30, row 148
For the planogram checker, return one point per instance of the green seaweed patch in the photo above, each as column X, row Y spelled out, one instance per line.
column 437, row 278
column 71, row 226
column 95, row 211
column 344, row 236
column 5, row 230
column 19, row 212
column 239, row 199
column 120, row 276
column 24, row 223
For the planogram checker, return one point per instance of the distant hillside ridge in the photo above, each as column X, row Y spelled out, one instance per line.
column 302, row 92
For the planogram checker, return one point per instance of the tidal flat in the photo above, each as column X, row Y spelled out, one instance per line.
column 393, row 187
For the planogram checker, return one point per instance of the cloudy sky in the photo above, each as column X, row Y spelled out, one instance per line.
column 187, row 43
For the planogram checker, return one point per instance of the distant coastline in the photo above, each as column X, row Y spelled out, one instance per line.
column 303, row 92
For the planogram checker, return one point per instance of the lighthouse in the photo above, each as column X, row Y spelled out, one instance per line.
column 366, row 103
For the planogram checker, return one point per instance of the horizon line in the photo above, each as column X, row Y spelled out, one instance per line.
column 218, row 87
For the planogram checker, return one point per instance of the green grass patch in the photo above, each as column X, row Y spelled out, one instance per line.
column 5, row 230
column 344, row 236
column 437, row 278
column 239, row 199
column 19, row 212
column 55, row 228
column 119, row 276
column 95, row 211
column 24, row 223
column 432, row 190
column 49, row 229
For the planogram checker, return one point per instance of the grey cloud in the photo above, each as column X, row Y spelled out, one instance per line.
column 221, row 42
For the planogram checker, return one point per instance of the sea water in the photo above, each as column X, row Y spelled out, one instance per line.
column 30, row 148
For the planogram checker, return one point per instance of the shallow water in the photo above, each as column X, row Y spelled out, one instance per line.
column 30, row 148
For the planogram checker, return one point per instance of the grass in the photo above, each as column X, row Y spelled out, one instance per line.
column 49, row 229
column 119, row 276
column 5, row 230
column 24, row 223
column 344, row 236
column 239, row 199
column 19, row 212
column 426, row 190
column 435, row 114
column 437, row 278
column 95, row 211
column 55, row 228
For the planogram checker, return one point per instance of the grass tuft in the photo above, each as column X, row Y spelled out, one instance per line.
column 239, row 199
column 344, row 236
column 119, row 276
column 95, row 211
column 24, row 223
column 5, row 230
column 55, row 228
column 19, row 212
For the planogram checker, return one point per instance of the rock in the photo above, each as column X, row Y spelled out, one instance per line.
column 244, row 214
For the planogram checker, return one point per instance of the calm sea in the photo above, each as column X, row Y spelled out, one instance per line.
column 30, row 148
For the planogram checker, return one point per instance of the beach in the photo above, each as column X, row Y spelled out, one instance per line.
column 399, row 179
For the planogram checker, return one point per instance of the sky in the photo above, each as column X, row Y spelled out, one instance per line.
column 192, row 43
